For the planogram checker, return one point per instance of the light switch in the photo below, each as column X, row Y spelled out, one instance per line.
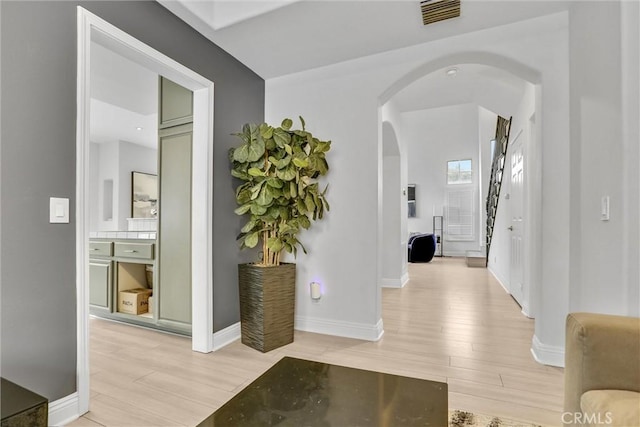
column 604, row 208
column 58, row 210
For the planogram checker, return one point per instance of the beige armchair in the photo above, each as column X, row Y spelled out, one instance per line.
column 602, row 370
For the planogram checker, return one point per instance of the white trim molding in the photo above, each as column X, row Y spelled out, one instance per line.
column 395, row 283
column 226, row 336
column 547, row 354
column 64, row 410
column 390, row 283
column 495, row 276
column 83, row 102
column 404, row 279
column 91, row 29
column 525, row 312
column 360, row 331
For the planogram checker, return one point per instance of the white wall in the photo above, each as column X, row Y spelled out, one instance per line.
column 391, row 263
column 630, row 30
column 391, row 117
column 115, row 161
column 136, row 158
column 341, row 102
column 434, row 137
column 391, row 252
column 598, row 160
column 499, row 258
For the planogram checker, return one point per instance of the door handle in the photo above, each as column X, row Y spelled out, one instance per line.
column 510, row 228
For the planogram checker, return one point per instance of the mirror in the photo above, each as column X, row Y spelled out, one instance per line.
column 124, row 140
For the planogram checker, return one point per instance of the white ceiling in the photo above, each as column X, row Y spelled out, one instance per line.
column 124, row 97
column 276, row 38
column 489, row 87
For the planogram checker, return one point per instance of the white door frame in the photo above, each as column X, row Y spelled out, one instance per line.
column 94, row 29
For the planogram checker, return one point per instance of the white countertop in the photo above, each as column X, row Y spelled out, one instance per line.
column 148, row 235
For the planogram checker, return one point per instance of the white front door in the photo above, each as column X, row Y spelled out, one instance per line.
column 516, row 228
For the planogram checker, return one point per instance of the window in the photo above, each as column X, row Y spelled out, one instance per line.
column 460, row 214
column 460, row 202
column 459, row 172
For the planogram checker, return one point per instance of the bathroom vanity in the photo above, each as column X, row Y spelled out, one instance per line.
column 143, row 275
column 124, row 285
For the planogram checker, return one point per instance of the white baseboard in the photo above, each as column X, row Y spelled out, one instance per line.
column 390, row 283
column 359, row 331
column 493, row 273
column 395, row 283
column 547, row 354
column 64, row 410
column 226, row 336
column 404, row 279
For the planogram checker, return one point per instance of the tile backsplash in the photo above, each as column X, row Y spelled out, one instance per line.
column 150, row 235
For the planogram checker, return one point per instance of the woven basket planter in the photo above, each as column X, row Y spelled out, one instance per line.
column 267, row 301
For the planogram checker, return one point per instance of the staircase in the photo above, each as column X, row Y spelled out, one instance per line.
column 503, row 127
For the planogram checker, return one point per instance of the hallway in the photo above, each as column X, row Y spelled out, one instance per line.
column 449, row 323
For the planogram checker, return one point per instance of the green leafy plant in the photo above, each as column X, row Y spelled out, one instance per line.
column 280, row 192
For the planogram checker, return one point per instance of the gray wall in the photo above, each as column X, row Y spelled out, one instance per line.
column 38, row 48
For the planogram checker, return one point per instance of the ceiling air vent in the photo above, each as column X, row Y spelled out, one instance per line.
column 439, row 10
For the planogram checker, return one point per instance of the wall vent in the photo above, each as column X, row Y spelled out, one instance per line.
column 439, row 10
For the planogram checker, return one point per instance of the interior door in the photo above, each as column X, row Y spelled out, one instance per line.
column 516, row 227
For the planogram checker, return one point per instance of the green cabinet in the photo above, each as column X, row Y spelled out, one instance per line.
column 175, row 132
column 118, row 265
column 100, row 283
column 174, row 232
column 176, row 104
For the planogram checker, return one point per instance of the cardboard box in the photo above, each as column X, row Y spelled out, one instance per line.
column 476, row 259
column 151, row 304
column 134, row 301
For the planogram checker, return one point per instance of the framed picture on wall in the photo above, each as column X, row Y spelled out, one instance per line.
column 144, row 195
column 411, row 196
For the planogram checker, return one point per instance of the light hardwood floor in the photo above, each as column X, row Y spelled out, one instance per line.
column 449, row 323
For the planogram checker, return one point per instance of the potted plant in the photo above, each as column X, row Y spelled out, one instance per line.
column 280, row 195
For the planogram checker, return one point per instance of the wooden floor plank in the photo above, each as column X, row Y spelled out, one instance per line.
column 449, row 323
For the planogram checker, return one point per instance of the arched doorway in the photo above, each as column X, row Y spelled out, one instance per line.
column 392, row 250
column 485, row 108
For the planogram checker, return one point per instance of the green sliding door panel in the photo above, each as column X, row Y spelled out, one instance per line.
column 175, row 225
column 176, row 104
column 100, row 283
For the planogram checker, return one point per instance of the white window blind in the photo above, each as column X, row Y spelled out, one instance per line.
column 460, row 214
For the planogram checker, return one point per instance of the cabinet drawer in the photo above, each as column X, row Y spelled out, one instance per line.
column 100, row 248
column 133, row 250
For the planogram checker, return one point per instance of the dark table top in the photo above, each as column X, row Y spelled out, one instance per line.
column 15, row 399
column 296, row 392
